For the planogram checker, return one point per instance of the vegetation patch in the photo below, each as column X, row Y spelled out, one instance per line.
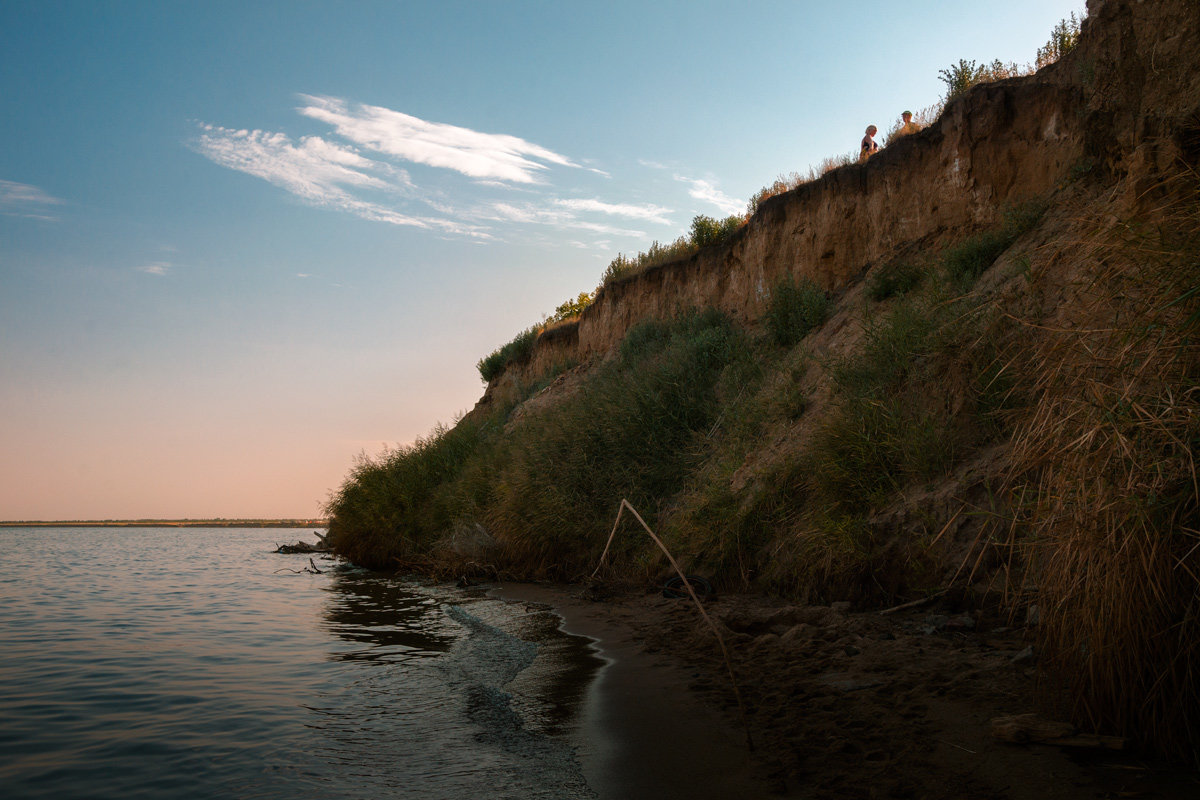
column 705, row 232
column 894, row 278
column 966, row 261
column 519, row 349
column 393, row 507
column 795, row 308
column 1104, row 478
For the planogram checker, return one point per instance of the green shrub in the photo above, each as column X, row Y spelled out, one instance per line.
column 387, row 512
column 647, row 336
column 635, row 432
column 795, row 308
column 707, row 231
column 967, row 260
column 970, row 258
column 657, row 254
column 1063, row 39
column 571, row 307
column 895, row 278
column 619, row 267
column 922, row 388
column 1020, row 218
column 962, row 76
column 519, row 349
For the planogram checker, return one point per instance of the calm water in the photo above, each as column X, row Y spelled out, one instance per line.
column 193, row 662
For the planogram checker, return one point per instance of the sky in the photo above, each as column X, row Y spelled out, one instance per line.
column 243, row 244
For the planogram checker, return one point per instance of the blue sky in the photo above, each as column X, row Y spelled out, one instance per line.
column 241, row 243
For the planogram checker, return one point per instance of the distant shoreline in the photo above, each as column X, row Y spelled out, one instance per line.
column 168, row 523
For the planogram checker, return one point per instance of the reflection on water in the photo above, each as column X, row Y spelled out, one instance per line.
column 183, row 663
column 379, row 612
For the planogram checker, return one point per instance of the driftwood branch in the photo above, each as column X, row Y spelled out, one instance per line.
column 302, row 547
column 1032, row 729
column 914, row 603
column 691, row 593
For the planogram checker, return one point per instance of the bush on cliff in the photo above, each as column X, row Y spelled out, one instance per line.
column 390, row 510
column 636, row 431
column 705, row 232
column 795, row 308
column 519, row 349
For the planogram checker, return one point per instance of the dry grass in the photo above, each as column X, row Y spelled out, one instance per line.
column 1104, row 471
column 788, row 182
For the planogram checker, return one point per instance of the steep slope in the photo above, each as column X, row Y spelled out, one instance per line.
column 1123, row 102
column 968, row 365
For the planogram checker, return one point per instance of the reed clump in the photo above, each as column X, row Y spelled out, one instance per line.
column 1105, row 484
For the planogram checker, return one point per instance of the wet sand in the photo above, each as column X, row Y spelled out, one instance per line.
column 642, row 733
column 841, row 704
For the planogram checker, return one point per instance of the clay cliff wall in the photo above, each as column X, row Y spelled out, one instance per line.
column 998, row 145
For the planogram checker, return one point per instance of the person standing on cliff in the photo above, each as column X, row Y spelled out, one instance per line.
column 868, row 147
column 908, row 125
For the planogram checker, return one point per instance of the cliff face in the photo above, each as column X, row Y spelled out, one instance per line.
column 1017, row 424
column 1123, row 102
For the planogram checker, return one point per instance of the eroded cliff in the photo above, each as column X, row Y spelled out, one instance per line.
column 998, row 407
column 1123, row 102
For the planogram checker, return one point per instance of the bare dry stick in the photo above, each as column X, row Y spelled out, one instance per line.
column 913, row 603
column 691, row 593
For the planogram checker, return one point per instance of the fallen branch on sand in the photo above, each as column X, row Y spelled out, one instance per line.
column 914, row 603
column 1032, row 729
column 692, row 593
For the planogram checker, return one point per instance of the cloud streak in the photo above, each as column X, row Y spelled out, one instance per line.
column 311, row 168
column 24, row 200
column 485, row 156
column 359, row 167
column 706, row 191
column 648, row 212
column 564, row 219
column 322, row 172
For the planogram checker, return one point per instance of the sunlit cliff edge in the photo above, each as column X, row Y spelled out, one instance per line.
column 1005, row 142
column 968, row 365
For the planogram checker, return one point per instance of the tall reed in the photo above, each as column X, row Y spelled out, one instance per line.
column 1104, row 474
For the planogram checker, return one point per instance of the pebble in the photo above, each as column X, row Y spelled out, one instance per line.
column 1026, row 656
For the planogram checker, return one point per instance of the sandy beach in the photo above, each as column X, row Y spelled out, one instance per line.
column 840, row 704
column 644, row 732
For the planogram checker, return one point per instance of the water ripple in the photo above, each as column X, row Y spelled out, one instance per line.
column 164, row 662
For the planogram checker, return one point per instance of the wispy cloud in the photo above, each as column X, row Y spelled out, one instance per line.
column 560, row 218
column 359, row 167
column 156, row 268
column 311, row 168
column 648, row 212
column 706, row 191
column 23, row 200
column 493, row 156
column 322, row 172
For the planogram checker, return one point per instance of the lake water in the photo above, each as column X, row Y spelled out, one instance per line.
column 195, row 663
